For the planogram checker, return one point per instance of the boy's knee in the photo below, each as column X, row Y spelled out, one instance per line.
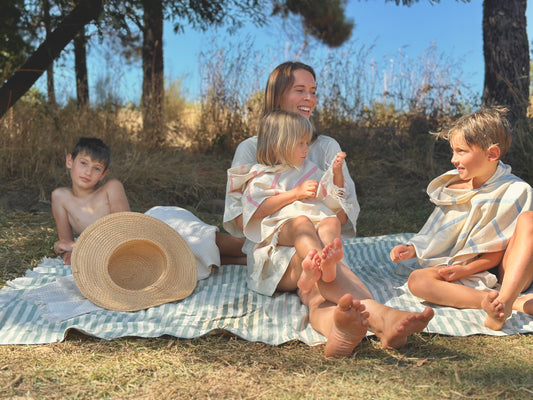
column 416, row 281
column 525, row 219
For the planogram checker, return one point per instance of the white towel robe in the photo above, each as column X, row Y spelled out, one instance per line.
column 259, row 182
column 466, row 223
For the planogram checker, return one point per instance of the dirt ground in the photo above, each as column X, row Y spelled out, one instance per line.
column 26, row 200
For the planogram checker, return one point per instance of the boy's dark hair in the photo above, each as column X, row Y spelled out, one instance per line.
column 93, row 147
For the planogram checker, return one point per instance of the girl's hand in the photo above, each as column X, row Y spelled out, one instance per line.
column 306, row 190
column 402, row 252
column 338, row 177
column 339, row 161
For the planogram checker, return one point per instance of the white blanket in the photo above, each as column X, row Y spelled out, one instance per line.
column 199, row 236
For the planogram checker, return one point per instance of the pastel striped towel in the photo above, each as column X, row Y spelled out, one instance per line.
column 222, row 301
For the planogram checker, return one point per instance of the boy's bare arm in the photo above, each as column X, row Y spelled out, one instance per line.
column 64, row 230
column 484, row 262
column 117, row 196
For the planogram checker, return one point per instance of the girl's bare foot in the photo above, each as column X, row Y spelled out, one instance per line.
column 398, row 325
column 350, row 323
column 496, row 312
column 331, row 255
column 310, row 271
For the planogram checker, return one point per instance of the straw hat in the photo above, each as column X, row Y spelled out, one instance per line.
column 130, row 261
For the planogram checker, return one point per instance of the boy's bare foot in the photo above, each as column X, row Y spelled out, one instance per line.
column 495, row 309
column 398, row 325
column 310, row 271
column 350, row 323
column 331, row 255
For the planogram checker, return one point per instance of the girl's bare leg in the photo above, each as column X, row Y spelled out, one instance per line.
column 517, row 271
column 311, row 271
column 329, row 232
column 301, row 233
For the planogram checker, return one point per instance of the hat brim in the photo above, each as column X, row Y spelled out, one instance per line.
column 131, row 261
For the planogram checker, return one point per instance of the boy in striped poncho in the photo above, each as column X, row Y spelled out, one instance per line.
column 461, row 246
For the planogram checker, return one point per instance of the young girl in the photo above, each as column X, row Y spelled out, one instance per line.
column 290, row 201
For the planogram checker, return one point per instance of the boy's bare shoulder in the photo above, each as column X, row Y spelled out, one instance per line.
column 61, row 193
column 112, row 185
column 113, row 182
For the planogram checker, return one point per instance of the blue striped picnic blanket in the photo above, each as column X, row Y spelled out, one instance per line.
column 223, row 302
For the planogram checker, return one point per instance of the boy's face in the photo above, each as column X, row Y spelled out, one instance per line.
column 84, row 171
column 472, row 162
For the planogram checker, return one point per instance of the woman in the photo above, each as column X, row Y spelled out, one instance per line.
column 342, row 309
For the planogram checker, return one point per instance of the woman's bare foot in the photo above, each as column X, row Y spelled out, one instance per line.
column 310, row 271
column 350, row 323
column 398, row 325
column 331, row 255
column 496, row 312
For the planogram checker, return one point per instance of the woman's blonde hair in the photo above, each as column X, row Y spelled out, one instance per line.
column 483, row 128
column 279, row 132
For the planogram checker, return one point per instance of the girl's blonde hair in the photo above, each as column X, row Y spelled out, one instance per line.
column 279, row 132
column 484, row 128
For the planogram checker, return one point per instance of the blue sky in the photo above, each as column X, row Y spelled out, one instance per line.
column 452, row 26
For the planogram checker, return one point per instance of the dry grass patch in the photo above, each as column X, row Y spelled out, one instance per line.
column 222, row 366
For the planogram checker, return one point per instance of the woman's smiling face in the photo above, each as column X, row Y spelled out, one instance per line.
column 301, row 96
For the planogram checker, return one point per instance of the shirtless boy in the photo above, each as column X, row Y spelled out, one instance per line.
column 77, row 207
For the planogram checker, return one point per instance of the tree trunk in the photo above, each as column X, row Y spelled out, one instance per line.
column 153, row 78
column 50, row 87
column 80, row 62
column 506, row 52
column 33, row 68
